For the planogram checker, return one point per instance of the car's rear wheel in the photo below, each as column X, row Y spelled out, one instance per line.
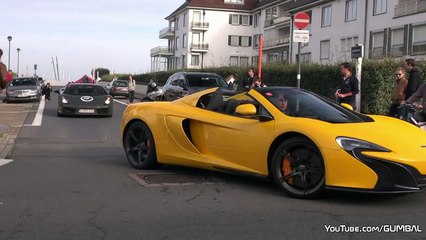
column 140, row 146
column 298, row 168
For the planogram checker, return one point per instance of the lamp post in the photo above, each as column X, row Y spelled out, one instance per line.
column 17, row 67
column 8, row 62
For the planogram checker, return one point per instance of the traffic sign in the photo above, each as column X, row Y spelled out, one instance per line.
column 301, row 20
column 301, row 36
column 357, row 51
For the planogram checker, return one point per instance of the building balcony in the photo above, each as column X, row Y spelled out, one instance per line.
column 410, row 7
column 277, row 42
column 199, row 47
column 277, row 20
column 167, row 33
column 200, row 25
column 161, row 51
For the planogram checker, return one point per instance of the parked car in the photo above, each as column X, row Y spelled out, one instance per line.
column 184, row 83
column 23, row 89
column 119, row 88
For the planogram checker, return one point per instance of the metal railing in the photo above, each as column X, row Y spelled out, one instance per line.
column 277, row 41
column 276, row 20
column 161, row 51
column 167, row 32
column 411, row 7
column 200, row 46
column 200, row 24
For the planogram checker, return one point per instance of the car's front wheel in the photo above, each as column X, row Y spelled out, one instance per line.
column 140, row 146
column 298, row 168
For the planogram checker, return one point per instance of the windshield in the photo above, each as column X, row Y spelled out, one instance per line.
column 303, row 104
column 23, row 82
column 120, row 84
column 85, row 90
column 205, row 81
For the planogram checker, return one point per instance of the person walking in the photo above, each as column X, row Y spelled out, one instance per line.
column 3, row 72
column 349, row 86
column 46, row 91
column 131, row 85
column 248, row 82
column 9, row 76
column 415, row 78
column 419, row 94
column 398, row 95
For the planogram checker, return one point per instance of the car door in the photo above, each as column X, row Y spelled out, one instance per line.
column 168, row 89
column 234, row 143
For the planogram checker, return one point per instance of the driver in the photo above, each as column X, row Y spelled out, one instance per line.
column 420, row 94
column 283, row 103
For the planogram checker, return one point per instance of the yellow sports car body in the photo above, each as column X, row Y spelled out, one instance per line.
column 304, row 142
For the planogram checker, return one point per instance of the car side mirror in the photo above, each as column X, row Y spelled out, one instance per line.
column 347, row 106
column 56, row 91
column 246, row 110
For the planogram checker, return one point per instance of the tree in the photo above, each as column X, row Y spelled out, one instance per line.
column 103, row 71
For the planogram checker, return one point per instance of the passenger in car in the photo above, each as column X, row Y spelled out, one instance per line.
column 283, row 103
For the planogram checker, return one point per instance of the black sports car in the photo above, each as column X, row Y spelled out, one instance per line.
column 85, row 100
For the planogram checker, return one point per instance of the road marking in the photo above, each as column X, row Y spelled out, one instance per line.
column 5, row 161
column 39, row 115
column 120, row 102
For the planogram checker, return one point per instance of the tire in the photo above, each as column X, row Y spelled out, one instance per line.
column 298, row 169
column 140, row 146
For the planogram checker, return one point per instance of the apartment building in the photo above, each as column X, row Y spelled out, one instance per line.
column 206, row 33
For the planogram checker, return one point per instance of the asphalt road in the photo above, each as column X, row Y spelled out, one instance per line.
column 70, row 180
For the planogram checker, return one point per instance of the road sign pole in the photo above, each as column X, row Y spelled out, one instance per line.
column 358, row 75
column 299, row 63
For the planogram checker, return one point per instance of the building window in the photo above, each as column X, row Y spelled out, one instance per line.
column 184, row 40
column 177, row 23
column 397, row 42
column 326, row 16
column 377, row 44
column 184, row 20
column 271, row 13
column 304, row 57
column 419, row 40
column 195, row 60
column 325, row 50
column 234, row 1
column 256, row 39
column 380, row 7
column 233, row 40
column 183, row 62
column 177, row 43
column 255, row 60
column 244, row 61
column 351, row 10
column 256, row 20
column 348, row 43
column 245, row 20
column 234, row 19
column 245, row 41
column 233, row 61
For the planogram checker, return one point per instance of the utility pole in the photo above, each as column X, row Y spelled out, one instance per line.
column 57, row 69
column 357, row 52
column 54, row 69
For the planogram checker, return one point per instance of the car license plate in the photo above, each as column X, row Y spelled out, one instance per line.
column 87, row 111
column 22, row 95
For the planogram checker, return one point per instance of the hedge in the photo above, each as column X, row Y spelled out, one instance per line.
column 377, row 79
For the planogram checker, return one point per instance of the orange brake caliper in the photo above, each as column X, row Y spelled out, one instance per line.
column 287, row 168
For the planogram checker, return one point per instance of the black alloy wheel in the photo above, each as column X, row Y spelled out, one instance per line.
column 140, row 146
column 298, row 168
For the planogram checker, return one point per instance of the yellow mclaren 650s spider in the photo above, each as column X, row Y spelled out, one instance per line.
column 304, row 142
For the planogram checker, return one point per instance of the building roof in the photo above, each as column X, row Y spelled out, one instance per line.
column 289, row 5
column 216, row 4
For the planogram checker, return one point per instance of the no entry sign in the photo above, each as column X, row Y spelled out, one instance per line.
column 301, row 20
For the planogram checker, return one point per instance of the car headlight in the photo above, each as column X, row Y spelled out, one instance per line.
column 108, row 101
column 352, row 144
column 64, row 101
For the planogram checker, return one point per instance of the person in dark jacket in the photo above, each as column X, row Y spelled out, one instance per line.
column 248, row 82
column 415, row 78
column 349, row 86
column 419, row 94
column 398, row 95
column 46, row 91
column 3, row 73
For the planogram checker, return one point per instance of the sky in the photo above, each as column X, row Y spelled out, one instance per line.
column 83, row 34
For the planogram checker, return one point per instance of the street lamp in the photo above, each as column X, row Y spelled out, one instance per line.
column 8, row 62
column 17, row 68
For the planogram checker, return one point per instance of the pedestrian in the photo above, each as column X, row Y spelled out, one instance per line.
column 398, row 95
column 9, row 76
column 349, row 86
column 247, row 82
column 257, row 83
column 419, row 94
column 46, row 91
column 3, row 72
column 415, row 78
column 131, row 85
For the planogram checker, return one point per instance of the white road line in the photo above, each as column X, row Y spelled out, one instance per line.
column 120, row 102
column 5, row 161
column 39, row 115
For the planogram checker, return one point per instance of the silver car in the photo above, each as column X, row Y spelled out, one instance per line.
column 23, row 89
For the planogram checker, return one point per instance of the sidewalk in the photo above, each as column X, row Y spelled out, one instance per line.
column 12, row 116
